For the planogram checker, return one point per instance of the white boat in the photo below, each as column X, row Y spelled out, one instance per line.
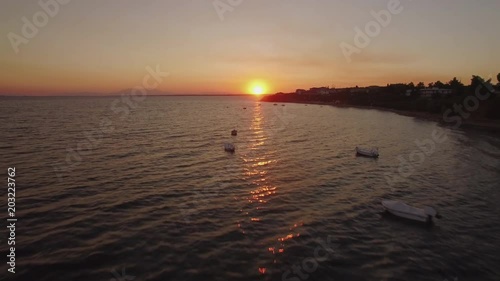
column 229, row 147
column 400, row 209
column 234, row 133
column 368, row 152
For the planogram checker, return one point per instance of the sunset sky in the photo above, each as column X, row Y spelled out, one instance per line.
column 104, row 46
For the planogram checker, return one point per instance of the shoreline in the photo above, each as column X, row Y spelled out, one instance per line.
column 482, row 124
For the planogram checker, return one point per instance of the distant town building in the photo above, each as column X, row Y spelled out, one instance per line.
column 429, row 92
column 300, row 91
column 358, row 90
column 374, row 89
column 320, row 90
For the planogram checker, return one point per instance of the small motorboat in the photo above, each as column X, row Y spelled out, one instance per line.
column 229, row 147
column 275, row 104
column 234, row 133
column 367, row 152
column 400, row 209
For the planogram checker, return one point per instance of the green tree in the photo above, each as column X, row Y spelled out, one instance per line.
column 439, row 84
column 411, row 85
column 498, row 78
column 476, row 81
column 420, row 85
column 456, row 86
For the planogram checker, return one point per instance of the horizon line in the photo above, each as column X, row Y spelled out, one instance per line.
column 117, row 95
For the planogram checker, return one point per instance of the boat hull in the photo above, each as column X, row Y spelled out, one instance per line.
column 404, row 211
column 229, row 148
column 366, row 153
column 407, row 216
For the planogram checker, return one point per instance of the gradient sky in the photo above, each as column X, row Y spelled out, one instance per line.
column 104, row 46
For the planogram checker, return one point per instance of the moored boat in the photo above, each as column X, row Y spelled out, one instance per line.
column 400, row 209
column 367, row 152
column 234, row 132
column 229, row 147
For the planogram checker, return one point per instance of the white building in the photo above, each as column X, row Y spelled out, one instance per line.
column 300, row 91
column 429, row 92
column 321, row 90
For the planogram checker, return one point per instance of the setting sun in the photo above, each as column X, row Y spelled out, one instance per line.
column 257, row 88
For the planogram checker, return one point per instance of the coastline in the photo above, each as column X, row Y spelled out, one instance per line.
column 477, row 124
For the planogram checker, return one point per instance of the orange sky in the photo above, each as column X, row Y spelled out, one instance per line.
column 105, row 46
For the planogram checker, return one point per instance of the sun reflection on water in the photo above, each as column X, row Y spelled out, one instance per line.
column 256, row 171
column 256, row 164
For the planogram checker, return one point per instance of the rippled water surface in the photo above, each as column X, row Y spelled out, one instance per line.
column 104, row 193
